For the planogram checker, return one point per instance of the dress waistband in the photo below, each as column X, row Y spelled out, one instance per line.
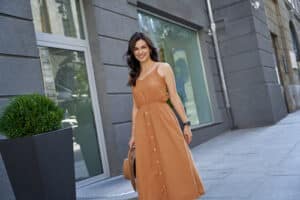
column 152, row 103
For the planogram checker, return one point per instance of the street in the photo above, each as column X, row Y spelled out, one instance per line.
column 253, row 164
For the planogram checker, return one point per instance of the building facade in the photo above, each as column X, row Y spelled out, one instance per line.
column 73, row 52
column 283, row 24
column 255, row 94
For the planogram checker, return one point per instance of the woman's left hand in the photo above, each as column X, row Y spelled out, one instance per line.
column 187, row 134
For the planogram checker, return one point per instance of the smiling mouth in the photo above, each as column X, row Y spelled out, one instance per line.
column 141, row 57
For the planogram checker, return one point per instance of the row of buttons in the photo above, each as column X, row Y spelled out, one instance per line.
column 159, row 173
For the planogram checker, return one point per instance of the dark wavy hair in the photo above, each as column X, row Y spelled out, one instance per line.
column 133, row 63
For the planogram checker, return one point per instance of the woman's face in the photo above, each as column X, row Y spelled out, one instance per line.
column 141, row 51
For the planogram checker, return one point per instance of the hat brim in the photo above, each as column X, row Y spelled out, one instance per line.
column 129, row 167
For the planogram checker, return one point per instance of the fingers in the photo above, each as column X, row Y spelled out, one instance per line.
column 131, row 144
column 188, row 135
column 188, row 138
column 185, row 138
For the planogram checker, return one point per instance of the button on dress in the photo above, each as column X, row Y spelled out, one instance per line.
column 165, row 168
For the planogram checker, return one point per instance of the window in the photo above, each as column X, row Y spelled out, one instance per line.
column 180, row 47
column 295, row 41
column 68, row 79
column 61, row 17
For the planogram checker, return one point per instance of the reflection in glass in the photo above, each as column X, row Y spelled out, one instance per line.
column 61, row 17
column 179, row 46
column 66, row 81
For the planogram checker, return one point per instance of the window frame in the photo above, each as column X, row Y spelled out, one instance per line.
column 77, row 44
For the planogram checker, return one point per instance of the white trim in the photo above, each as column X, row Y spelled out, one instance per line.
column 61, row 46
column 97, row 113
column 91, row 180
column 76, row 44
column 60, row 39
column 205, row 79
column 195, row 127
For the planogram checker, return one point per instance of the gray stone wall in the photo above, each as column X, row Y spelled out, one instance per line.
column 294, row 18
column 247, row 55
column 110, row 24
column 278, row 20
column 20, row 71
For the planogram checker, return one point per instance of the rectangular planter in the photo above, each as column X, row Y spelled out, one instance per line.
column 41, row 166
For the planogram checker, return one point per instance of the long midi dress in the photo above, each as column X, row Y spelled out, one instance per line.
column 165, row 169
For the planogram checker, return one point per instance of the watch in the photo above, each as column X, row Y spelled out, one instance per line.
column 187, row 123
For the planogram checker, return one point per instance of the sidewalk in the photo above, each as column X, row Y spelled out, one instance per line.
column 249, row 164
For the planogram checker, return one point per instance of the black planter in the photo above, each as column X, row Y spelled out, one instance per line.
column 42, row 166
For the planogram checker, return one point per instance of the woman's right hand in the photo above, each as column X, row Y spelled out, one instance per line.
column 131, row 142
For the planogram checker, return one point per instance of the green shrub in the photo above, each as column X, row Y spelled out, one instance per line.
column 30, row 115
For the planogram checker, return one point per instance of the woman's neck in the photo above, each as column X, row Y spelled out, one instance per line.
column 147, row 64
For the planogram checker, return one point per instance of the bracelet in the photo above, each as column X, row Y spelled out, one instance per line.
column 187, row 123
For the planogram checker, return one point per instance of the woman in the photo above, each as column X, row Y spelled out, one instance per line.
column 164, row 164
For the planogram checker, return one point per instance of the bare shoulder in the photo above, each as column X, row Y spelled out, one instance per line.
column 163, row 68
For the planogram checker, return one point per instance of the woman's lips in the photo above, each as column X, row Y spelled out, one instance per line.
column 141, row 57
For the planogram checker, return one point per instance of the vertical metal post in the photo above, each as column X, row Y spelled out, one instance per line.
column 218, row 56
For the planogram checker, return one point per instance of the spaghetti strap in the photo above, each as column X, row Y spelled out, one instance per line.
column 149, row 73
column 158, row 73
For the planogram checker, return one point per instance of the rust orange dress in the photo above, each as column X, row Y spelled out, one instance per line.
column 164, row 165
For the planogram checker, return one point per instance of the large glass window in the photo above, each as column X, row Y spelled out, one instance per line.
column 61, row 17
column 68, row 79
column 180, row 47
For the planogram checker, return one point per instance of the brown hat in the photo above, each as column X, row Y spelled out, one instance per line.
column 129, row 170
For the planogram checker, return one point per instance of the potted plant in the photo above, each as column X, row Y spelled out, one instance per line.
column 38, row 153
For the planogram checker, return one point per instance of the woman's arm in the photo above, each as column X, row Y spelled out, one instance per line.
column 174, row 97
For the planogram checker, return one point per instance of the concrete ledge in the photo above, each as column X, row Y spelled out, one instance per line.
column 116, row 188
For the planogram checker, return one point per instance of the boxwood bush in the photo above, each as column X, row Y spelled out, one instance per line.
column 30, row 115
